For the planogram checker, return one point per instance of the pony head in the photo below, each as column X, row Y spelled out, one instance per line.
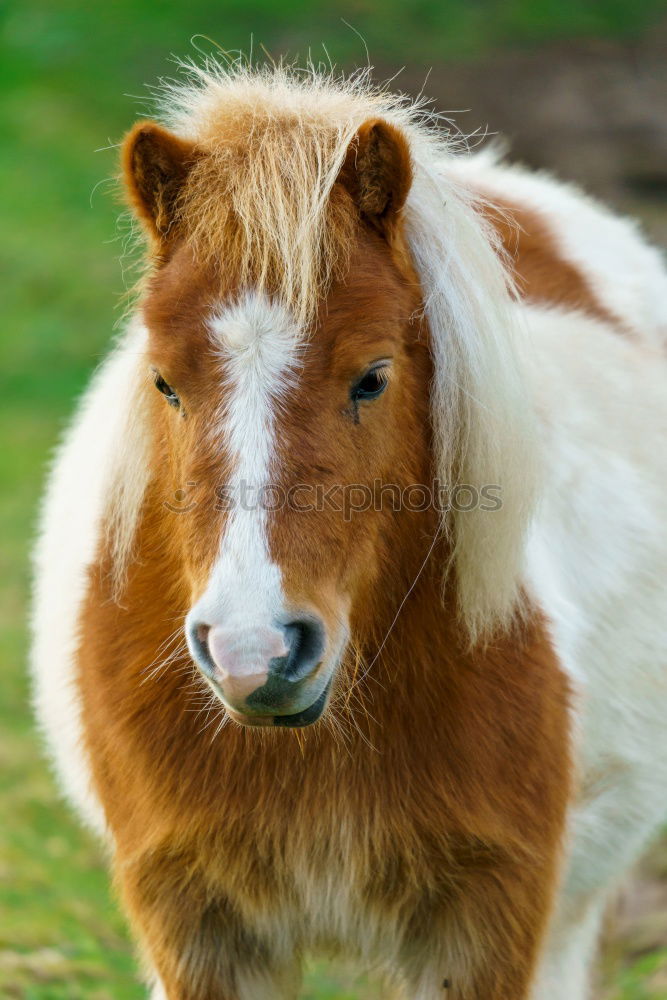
column 331, row 345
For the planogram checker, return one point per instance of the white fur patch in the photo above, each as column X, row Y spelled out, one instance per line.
column 258, row 344
column 596, row 564
column 103, row 458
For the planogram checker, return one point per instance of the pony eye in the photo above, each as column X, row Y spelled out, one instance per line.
column 166, row 391
column 371, row 385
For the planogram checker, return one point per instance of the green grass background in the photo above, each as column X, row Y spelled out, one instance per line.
column 69, row 76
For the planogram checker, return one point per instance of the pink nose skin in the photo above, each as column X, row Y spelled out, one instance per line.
column 242, row 659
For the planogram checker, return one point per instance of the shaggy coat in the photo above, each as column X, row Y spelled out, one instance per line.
column 339, row 306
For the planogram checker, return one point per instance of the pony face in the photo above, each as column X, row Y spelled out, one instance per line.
column 296, row 449
column 295, row 443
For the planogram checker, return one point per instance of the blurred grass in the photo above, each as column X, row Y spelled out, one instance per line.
column 64, row 70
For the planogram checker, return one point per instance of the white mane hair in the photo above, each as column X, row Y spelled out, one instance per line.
column 276, row 139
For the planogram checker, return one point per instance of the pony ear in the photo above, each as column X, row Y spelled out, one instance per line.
column 378, row 173
column 156, row 164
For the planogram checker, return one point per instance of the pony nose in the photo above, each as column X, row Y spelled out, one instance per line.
column 261, row 669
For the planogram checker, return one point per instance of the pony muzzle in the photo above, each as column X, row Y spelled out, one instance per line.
column 266, row 675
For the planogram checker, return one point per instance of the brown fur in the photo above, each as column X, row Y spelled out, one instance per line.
column 431, row 800
column 542, row 273
column 446, row 825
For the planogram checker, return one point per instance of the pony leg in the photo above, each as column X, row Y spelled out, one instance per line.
column 276, row 985
column 606, row 839
column 569, row 957
column 487, row 944
column 195, row 943
column 462, row 985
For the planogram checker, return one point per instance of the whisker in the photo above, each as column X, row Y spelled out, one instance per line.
column 412, row 586
column 179, row 651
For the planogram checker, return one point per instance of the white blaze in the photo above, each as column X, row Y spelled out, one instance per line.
column 258, row 343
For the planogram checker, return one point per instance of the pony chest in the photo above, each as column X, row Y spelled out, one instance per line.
column 331, row 894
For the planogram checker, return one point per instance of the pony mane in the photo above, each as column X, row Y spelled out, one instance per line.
column 263, row 193
column 274, row 140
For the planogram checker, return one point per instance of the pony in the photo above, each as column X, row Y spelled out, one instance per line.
column 350, row 605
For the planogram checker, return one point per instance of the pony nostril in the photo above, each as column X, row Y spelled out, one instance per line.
column 305, row 641
column 199, row 645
